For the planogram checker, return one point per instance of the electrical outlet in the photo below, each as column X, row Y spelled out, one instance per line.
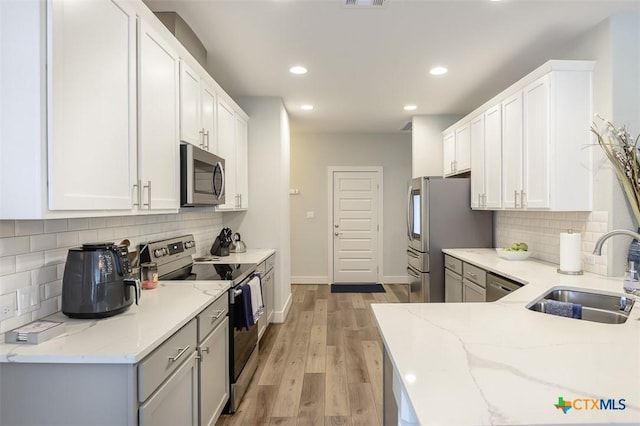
column 7, row 306
column 589, row 259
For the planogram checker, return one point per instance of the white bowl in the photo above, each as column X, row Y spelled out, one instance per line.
column 512, row 255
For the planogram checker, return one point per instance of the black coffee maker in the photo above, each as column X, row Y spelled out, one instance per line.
column 98, row 282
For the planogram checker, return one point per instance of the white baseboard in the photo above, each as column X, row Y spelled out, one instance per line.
column 311, row 280
column 281, row 316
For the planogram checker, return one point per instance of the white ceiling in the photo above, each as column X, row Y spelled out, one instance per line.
column 365, row 64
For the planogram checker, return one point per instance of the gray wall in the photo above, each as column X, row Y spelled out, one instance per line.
column 311, row 155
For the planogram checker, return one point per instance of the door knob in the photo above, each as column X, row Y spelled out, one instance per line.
column 336, row 225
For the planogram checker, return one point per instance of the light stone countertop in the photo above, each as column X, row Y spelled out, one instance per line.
column 125, row 338
column 499, row 363
column 250, row 256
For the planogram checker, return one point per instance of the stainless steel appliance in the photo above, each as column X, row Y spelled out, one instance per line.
column 97, row 281
column 201, row 177
column 498, row 287
column 439, row 216
column 173, row 257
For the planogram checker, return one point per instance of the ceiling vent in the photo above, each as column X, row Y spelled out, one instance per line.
column 407, row 127
column 365, row 3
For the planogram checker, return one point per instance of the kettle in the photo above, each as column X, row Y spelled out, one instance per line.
column 237, row 246
column 98, row 281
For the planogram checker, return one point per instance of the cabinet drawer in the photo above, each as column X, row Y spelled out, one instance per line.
column 474, row 274
column 261, row 268
column 270, row 262
column 212, row 315
column 452, row 263
column 155, row 368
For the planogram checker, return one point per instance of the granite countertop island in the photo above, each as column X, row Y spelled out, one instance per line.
column 125, row 338
column 500, row 363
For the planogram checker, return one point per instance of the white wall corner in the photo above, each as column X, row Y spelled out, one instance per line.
column 280, row 316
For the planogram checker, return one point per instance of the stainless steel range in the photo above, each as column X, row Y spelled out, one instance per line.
column 174, row 260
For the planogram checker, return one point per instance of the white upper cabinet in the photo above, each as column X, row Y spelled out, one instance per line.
column 478, row 178
column 242, row 163
column 457, row 151
column 227, row 150
column 197, row 109
column 158, row 124
column 492, row 198
column 91, row 109
column 536, row 136
column 512, row 152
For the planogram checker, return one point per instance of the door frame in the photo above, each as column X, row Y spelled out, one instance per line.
column 373, row 169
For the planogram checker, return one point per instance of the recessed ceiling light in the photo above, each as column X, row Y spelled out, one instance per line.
column 306, row 107
column 410, row 107
column 438, row 70
column 298, row 69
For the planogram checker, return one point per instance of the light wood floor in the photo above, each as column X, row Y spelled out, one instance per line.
column 323, row 366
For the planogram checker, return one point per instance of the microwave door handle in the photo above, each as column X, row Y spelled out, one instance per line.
column 410, row 214
column 223, row 179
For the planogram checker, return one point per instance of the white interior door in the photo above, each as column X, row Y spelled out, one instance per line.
column 355, row 226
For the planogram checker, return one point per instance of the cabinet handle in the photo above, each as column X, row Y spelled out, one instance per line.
column 484, row 200
column 180, row 353
column 451, row 265
column 205, row 349
column 201, row 144
column 522, row 199
column 471, row 275
column 218, row 315
column 148, row 203
column 136, row 188
column 515, row 199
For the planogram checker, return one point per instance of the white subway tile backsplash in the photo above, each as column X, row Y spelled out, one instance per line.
column 7, row 228
column 29, row 227
column 27, row 262
column 43, row 242
column 7, row 265
column 67, row 239
column 11, row 283
column 35, row 252
column 44, row 275
column 14, row 245
column 55, row 225
column 78, row 224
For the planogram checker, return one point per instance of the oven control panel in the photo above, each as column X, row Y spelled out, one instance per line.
column 169, row 250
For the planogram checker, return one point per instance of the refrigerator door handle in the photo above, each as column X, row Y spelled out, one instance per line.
column 410, row 214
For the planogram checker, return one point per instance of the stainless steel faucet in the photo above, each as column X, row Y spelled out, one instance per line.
column 598, row 248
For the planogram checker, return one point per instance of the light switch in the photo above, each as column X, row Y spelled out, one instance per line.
column 311, row 215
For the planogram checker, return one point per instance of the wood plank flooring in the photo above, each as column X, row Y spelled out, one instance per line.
column 323, row 366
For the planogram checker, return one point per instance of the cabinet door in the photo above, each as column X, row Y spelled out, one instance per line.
column 472, row 293
column 452, row 287
column 493, row 157
column 227, row 149
column 190, row 129
column 448, row 153
column 476, row 136
column 512, row 151
column 158, row 143
column 463, row 149
column 176, row 400
column 214, row 374
column 537, row 140
column 91, row 110
column 242, row 163
column 208, row 117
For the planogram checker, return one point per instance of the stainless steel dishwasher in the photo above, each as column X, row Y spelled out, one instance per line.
column 498, row 287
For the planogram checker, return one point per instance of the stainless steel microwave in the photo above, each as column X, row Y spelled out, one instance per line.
column 201, row 177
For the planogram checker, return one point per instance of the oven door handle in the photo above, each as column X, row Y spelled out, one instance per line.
column 233, row 293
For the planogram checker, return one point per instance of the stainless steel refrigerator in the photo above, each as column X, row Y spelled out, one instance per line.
column 439, row 216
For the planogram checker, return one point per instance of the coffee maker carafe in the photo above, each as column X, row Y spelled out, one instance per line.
column 97, row 281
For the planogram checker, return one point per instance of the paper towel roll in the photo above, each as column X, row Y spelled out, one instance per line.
column 570, row 252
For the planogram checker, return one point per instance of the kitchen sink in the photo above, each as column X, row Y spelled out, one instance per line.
column 596, row 307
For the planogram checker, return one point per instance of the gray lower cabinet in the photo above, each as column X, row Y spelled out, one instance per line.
column 463, row 282
column 266, row 268
column 472, row 292
column 214, row 373
column 175, row 402
column 452, row 287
